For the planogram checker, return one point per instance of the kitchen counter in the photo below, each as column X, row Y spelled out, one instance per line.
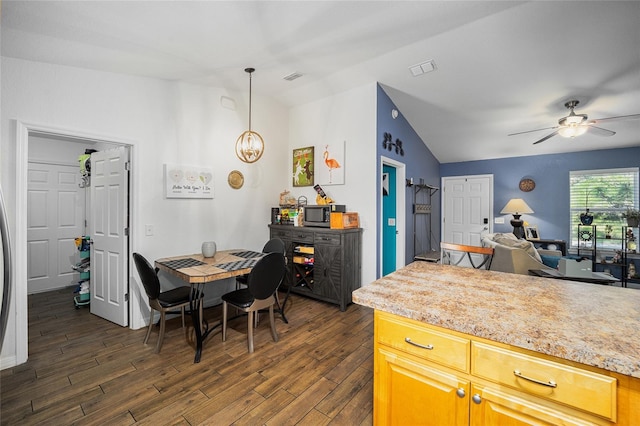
column 587, row 323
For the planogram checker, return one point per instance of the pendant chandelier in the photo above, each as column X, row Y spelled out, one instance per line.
column 249, row 146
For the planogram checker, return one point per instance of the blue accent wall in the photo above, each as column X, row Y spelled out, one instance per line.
column 550, row 198
column 419, row 161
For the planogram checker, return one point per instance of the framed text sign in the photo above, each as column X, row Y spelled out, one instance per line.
column 182, row 181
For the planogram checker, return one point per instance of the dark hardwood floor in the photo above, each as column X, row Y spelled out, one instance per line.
column 85, row 370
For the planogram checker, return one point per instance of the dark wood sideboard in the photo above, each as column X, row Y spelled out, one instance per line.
column 323, row 263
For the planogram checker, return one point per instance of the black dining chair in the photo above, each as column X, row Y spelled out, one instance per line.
column 274, row 245
column 260, row 293
column 163, row 302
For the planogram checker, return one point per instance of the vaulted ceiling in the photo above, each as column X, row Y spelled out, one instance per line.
column 501, row 67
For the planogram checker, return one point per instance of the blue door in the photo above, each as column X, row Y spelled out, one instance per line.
column 388, row 219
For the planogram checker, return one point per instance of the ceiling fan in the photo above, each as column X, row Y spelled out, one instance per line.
column 577, row 124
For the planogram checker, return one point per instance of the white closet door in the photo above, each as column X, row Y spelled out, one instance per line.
column 56, row 216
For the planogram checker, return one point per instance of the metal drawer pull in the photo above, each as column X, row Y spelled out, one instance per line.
column 408, row 340
column 550, row 383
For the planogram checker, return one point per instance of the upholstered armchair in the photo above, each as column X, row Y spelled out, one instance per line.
column 514, row 255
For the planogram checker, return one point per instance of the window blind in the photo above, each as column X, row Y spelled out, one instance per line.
column 606, row 193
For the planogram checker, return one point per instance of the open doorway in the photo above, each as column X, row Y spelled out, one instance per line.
column 25, row 134
column 392, row 211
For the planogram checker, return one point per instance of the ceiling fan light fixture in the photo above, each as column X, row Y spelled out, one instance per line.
column 249, row 145
column 572, row 131
column 572, row 120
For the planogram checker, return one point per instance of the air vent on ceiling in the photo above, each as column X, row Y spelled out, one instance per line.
column 422, row 68
column 292, row 76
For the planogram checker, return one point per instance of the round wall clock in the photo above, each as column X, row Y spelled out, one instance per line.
column 235, row 179
column 527, row 185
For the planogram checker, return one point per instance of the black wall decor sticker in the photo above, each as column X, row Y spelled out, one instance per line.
column 387, row 143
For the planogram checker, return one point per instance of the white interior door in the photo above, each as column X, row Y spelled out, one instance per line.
column 467, row 205
column 55, row 217
column 109, row 222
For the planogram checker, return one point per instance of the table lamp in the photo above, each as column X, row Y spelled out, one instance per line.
column 517, row 207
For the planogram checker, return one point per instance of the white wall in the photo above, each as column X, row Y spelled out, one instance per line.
column 351, row 117
column 164, row 122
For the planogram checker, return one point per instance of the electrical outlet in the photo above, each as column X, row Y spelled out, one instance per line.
column 499, row 220
column 148, row 230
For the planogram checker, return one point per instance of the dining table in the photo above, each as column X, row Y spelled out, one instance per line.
column 197, row 270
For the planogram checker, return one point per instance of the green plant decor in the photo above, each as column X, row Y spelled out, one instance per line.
column 632, row 216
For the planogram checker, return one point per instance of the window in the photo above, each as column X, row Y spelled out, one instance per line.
column 607, row 194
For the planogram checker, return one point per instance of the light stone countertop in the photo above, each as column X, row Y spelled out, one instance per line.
column 591, row 324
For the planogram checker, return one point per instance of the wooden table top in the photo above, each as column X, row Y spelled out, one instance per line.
column 197, row 269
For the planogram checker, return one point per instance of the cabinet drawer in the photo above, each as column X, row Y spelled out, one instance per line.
column 582, row 389
column 405, row 335
column 298, row 236
column 281, row 233
column 326, row 238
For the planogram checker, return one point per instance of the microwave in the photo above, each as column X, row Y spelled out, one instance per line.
column 321, row 215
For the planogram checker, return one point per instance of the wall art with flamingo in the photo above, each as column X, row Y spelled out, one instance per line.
column 303, row 167
column 330, row 166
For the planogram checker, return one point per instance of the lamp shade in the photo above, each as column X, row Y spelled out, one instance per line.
column 516, row 206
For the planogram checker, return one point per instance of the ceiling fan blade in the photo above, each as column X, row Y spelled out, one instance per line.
column 600, row 131
column 619, row 117
column 546, row 137
column 530, row 131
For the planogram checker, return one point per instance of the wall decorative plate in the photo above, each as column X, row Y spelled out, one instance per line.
column 527, row 185
column 235, row 179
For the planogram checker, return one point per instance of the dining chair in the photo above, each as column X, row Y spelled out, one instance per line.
column 463, row 255
column 274, row 245
column 163, row 302
column 260, row 293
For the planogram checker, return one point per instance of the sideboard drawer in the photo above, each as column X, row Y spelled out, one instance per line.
column 299, row 236
column 327, row 238
column 414, row 338
column 582, row 389
column 281, row 233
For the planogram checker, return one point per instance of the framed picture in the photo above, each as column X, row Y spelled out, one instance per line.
column 330, row 166
column 184, row 181
column 531, row 233
column 303, row 166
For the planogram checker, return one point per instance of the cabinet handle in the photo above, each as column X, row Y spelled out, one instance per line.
column 460, row 392
column 550, row 383
column 476, row 398
column 428, row 347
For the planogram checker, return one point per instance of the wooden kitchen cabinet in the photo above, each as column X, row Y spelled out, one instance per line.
column 408, row 391
column 420, row 378
column 329, row 269
column 491, row 406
